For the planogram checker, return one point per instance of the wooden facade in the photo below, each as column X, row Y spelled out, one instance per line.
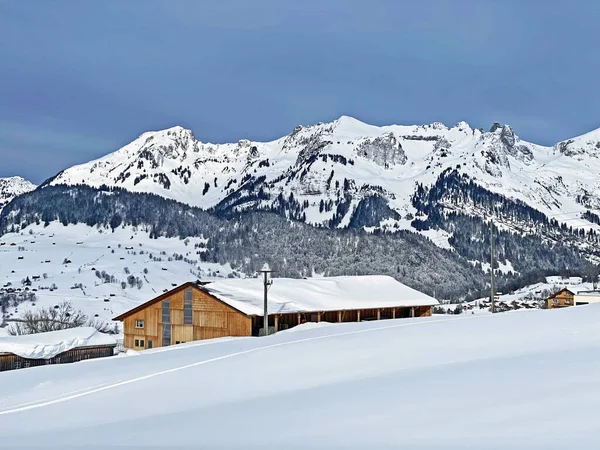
column 10, row 361
column 561, row 299
column 189, row 313
column 163, row 321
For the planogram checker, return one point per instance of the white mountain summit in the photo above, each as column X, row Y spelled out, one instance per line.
column 12, row 187
column 322, row 173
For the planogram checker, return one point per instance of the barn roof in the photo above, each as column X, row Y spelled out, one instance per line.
column 593, row 293
column 48, row 345
column 567, row 290
column 288, row 295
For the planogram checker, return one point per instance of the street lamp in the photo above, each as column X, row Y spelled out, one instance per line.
column 267, row 281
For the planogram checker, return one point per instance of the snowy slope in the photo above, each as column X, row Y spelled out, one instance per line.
column 332, row 170
column 39, row 253
column 12, row 187
column 526, row 380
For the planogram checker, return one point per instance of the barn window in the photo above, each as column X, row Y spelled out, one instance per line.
column 17, row 364
column 166, row 320
column 567, row 302
column 138, row 343
column 187, row 307
column 149, row 343
column 166, row 311
column 139, row 323
column 166, row 334
column 555, row 301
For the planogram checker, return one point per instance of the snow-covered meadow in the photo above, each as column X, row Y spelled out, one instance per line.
column 513, row 380
column 63, row 264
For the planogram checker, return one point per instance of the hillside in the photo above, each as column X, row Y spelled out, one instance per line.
column 497, row 382
column 247, row 240
column 100, row 272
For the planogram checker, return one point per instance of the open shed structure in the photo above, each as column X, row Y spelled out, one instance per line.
column 55, row 347
column 234, row 307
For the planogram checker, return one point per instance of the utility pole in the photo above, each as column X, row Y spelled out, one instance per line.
column 266, row 270
column 492, row 266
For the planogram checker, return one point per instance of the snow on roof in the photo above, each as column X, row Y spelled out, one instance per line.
column 589, row 293
column 288, row 295
column 48, row 345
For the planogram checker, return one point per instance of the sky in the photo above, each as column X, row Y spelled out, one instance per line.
column 80, row 79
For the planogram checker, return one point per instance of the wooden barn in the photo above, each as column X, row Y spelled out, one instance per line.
column 56, row 347
column 561, row 299
column 234, row 307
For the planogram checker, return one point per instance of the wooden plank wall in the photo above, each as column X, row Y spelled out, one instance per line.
column 564, row 300
column 210, row 319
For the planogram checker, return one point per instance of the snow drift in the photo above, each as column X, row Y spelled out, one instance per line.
column 48, row 345
column 514, row 380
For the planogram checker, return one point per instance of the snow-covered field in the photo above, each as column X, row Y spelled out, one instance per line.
column 43, row 252
column 513, row 380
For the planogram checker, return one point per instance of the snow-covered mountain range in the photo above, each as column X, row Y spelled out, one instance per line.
column 12, row 187
column 339, row 178
column 350, row 173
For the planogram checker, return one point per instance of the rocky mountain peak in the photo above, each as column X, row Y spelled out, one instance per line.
column 12, row 187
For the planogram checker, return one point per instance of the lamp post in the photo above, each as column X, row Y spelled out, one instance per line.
column 266, row 271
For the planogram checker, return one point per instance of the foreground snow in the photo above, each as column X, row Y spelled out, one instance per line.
column 514, row 380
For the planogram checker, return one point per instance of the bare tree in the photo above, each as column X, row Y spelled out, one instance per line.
column 59, row 317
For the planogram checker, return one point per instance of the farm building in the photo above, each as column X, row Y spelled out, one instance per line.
column 561, row 299
column 234, row 307
column 55, row 347
column 587, row 297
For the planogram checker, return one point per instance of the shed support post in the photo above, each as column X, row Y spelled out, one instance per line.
column 412, row 311
column 318, row 317
column 299, row 320
column 276, row 318
column 393, row 313
column 339, row 316
column 378, row 314
column 358, row 315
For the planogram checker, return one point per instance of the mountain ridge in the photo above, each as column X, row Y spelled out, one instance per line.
column 329, row 168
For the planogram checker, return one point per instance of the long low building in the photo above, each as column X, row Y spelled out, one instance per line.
column 54, row 347
column 234, row 307
column 587, row 297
